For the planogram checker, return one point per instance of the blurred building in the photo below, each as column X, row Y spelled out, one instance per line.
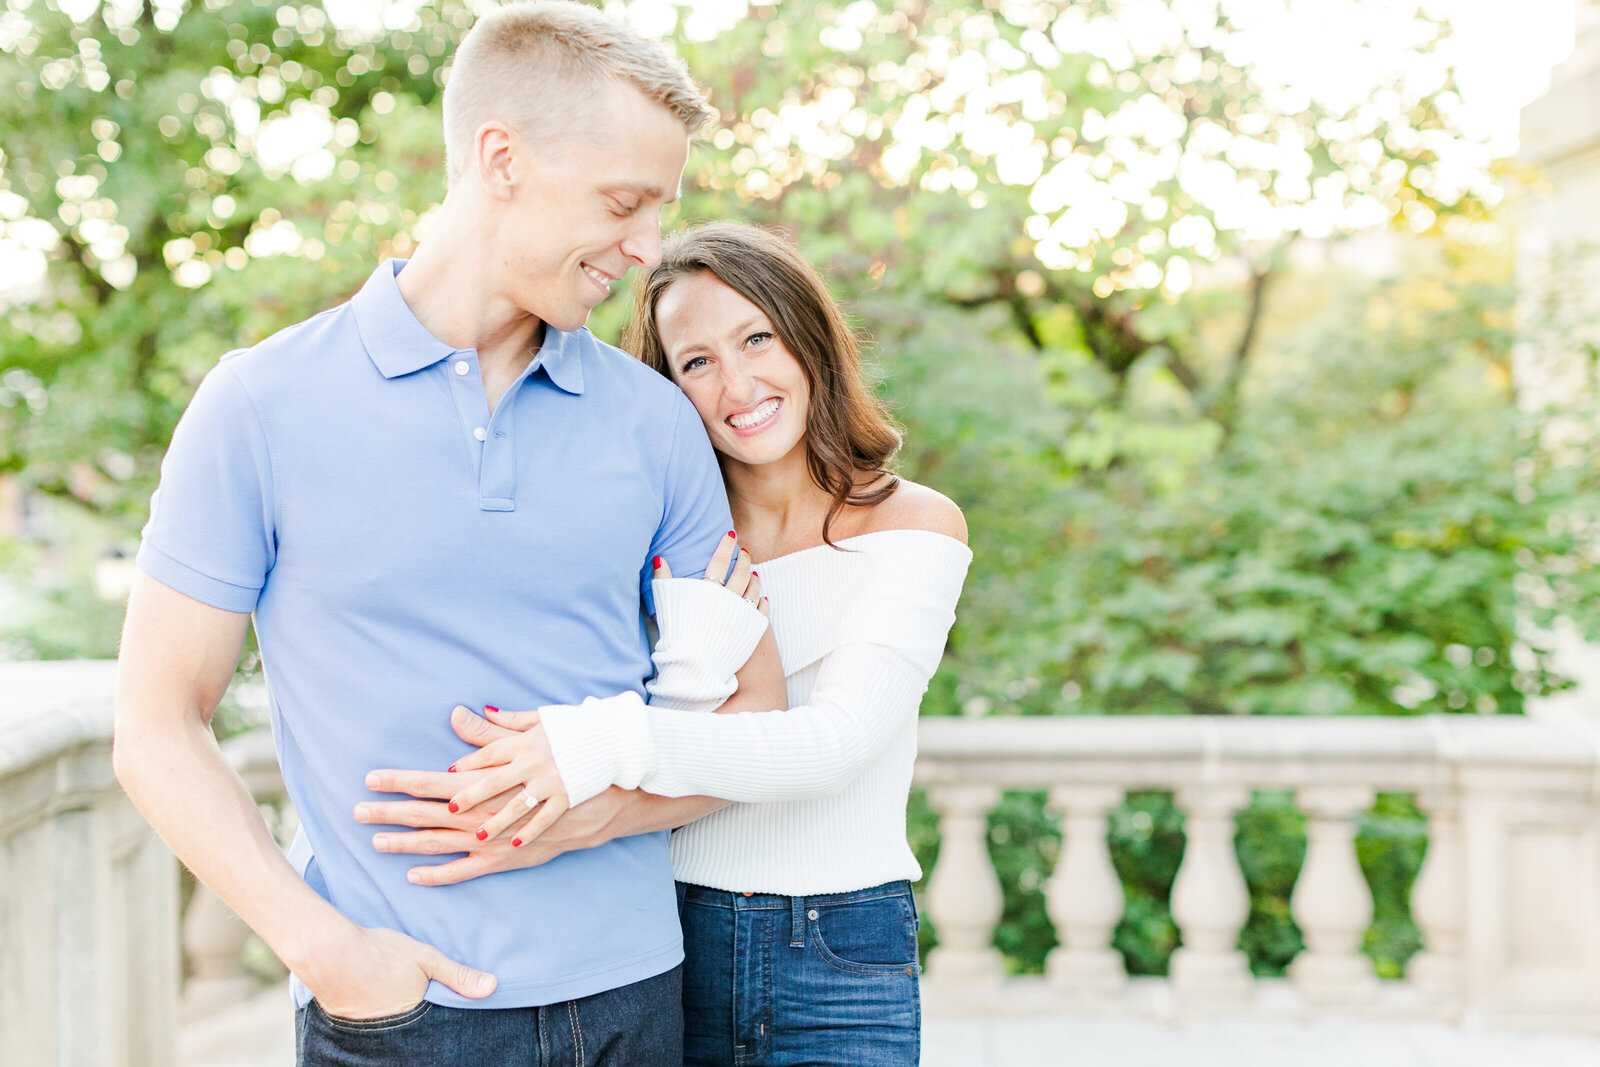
column 1558, row 256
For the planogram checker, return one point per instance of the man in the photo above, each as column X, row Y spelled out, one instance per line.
column 442, row 490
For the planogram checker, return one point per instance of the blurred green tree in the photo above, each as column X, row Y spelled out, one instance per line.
column 189, row 183
column 178, row 169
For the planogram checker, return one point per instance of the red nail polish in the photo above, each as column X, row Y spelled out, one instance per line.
column 655, row 561
column 755, row 574
column 451, row 768
column 453, row 808
column 483, row 835
column 516, row 842
column 491, row 707
column 733, row 535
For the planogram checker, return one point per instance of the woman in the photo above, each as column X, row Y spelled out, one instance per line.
column 799, row 925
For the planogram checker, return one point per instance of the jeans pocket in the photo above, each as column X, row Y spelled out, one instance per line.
column 873, row 936
column 396, row 1021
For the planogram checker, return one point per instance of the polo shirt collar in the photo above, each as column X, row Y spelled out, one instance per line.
column 561, row 357
column 399, row 344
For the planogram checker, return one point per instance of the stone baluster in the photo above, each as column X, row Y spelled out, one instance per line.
column 1084, row 896
column 213, row 942
column 963, row 897
column 1210, row 900
column 1332, row 903
column 1438, row 905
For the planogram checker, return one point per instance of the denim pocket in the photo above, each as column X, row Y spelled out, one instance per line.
column 872, row 936
column 367, row 1026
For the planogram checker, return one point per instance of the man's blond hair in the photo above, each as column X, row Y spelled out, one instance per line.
column 535, row 65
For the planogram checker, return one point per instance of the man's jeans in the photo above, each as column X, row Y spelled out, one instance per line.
column 638, row 1025
column 776, row 981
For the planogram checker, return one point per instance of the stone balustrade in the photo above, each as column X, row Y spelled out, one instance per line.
column 88, row 893
column 1507, row 902
column 1508, row 899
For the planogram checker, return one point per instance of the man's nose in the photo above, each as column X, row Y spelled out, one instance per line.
column 643, row 243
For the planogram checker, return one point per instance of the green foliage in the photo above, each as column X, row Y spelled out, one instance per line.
column 1360, row 540
column 1390, row 844
column 1024, row 841
column 1146, row 846
column 175, row 235
column 1272, row 848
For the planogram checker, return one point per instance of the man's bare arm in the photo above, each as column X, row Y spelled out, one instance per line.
column 176, row 660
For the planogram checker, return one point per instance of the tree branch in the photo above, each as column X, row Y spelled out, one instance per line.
column 1182, row 371
column 1225, row 403
column 59, row 490
column 1259, row 278
column 1113, row 339
column 97, row 283
column 1007, row 293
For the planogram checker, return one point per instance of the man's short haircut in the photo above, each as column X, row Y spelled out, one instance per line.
column 535, row 65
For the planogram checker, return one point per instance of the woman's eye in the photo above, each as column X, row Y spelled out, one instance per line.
column 758, row 339
column 694, row 364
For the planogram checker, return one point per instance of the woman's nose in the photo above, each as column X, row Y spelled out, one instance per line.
column 736, row 380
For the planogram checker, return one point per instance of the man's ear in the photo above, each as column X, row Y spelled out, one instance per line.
column 497, row 153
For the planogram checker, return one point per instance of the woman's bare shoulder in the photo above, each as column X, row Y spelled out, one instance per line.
column 916, row 507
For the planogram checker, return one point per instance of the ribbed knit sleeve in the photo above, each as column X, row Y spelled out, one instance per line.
column 707, row 634
column 879, row 636
column 864, row 693
column 876, row 615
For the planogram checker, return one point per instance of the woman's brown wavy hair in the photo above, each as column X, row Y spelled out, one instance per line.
column 850, row 436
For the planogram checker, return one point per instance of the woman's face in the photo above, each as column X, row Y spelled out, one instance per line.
column 750, row 392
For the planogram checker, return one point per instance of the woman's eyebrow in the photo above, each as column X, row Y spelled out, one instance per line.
column 700, row 346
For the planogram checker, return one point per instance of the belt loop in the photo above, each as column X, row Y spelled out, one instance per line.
column 797, row 922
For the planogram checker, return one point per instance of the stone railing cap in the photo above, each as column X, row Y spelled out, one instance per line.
column 52, row 707
column 1502, row 740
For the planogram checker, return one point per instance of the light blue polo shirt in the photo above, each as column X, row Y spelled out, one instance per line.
column 403, row 552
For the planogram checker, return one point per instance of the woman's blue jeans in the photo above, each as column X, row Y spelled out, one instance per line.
column 780, row 981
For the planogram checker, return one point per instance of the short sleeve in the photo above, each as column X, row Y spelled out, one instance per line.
column 211, row 534
column 695, row 512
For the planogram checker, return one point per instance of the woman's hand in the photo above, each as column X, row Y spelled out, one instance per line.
column 741, row 581
column 439, row 832
column 519, row 763
column 510, row 776
column 447, row 831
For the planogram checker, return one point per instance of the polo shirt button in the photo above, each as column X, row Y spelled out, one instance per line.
column 479, row 433
column 462, row 366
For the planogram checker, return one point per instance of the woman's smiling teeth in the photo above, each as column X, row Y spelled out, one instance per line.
column 747, row 420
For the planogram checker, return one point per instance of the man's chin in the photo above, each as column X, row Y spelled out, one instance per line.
column 566, row 321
